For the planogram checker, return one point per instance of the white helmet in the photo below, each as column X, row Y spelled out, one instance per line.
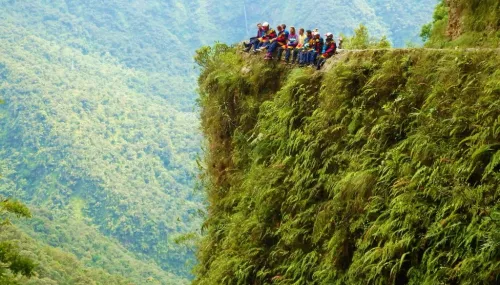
column 329, row 35
column 266, row 24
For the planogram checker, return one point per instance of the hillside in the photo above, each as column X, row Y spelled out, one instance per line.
column 54, row 266
column 99, row 130
column 96, row 152
column 382, row 169
column 465, row 24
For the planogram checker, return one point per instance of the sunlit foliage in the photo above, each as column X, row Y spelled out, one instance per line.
column 383, row 169
column 464, row 23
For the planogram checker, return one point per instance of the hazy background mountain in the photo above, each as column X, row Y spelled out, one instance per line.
column 99, row 130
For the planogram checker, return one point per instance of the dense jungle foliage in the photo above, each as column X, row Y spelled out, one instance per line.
column 97, row 160
column 103, row 151
column 99, row 133
column 385, row 170
column 464, row 23
column 14, row 265
column 382, row 169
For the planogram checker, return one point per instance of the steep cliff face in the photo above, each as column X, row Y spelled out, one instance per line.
column 382, row 170
column 466, row 23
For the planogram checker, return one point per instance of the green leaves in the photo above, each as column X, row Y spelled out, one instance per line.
column 108, row 150
column 13, row 262
column 14, row 207
column 462, row 23
column 362, row 40
column 383, row 170
column 17, row 263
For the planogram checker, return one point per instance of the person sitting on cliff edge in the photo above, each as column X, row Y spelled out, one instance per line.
column 316, row 47
column 277, row 42
column 300, row 46
column 285, row 30
column 304, row 50
column 330, row 50
column 265, row 40
column 254, row 40
column 292, row 43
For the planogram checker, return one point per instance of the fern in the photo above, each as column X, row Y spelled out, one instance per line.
column 382, row 170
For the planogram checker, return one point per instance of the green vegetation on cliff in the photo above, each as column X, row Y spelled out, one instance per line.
column 99, row 135
column 464, row 23
column 384, row 169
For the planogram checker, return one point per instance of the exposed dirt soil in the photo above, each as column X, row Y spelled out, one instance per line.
column 455, row 25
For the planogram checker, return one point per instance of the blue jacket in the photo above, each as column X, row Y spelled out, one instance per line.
column 307, row 42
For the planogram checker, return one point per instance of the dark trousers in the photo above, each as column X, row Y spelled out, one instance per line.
column 256, row 45
column 321, row 62
column 311, row 58
column 289, row 52
column 251, row 42
column 304, row 57
column 273, row 46
column 281, row 49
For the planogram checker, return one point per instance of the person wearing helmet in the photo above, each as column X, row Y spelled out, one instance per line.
column 316, row 46
column 330, row 50
column 277, row 43
column 253, row 40
column 303, row 54
column 265, row 40
column 292, row 43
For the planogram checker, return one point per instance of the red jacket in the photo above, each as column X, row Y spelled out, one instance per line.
column 270, row 34
column 281, row 39
column 330, row 48
column 318, row 45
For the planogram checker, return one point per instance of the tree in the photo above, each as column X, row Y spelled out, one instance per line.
column 362, row 40
column 11, row 260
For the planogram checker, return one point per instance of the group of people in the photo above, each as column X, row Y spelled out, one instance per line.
column 304, row 48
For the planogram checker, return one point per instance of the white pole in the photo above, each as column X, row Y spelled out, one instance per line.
column 246, row 18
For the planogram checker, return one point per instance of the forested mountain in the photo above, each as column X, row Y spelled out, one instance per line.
column 99, row 142
column 96, row 158
column 381, row 168
column 99, row 130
